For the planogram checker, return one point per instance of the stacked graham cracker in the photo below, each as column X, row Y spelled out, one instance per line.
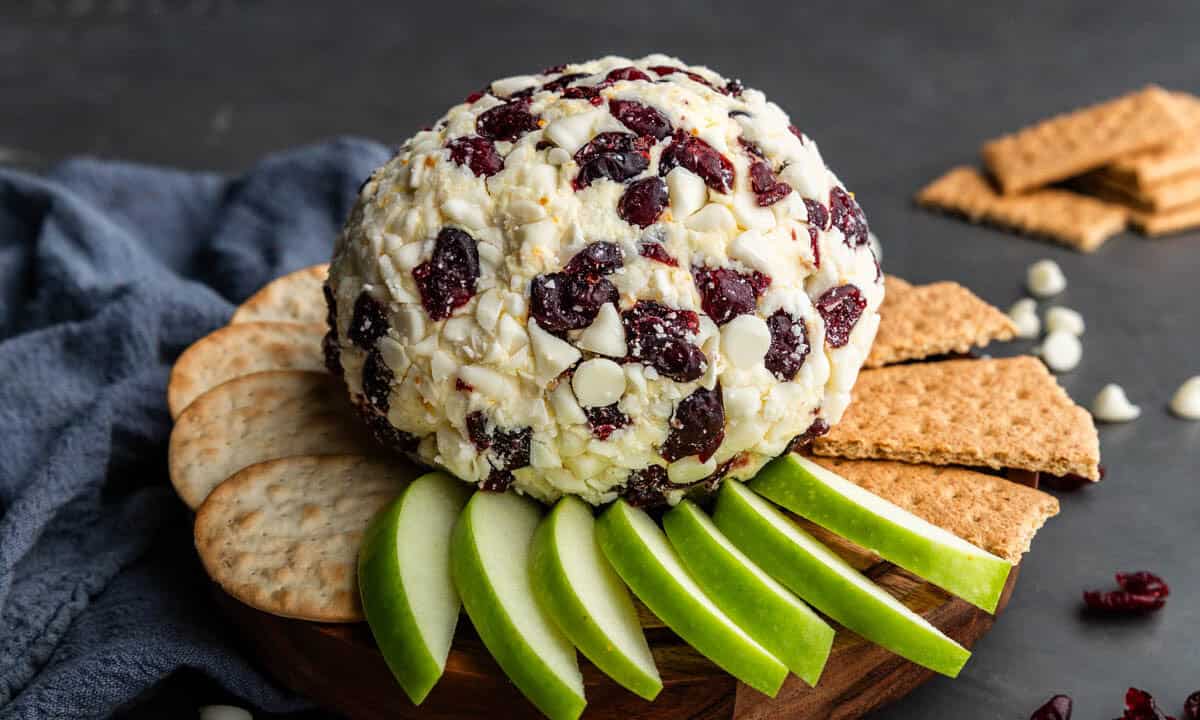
column 1081, row 177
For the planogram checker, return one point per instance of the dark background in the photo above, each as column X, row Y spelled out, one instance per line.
column 893, row 92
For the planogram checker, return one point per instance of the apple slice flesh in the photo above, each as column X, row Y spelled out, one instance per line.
column 404, row 580
column 838, row 505
column 490, row 553
column 818, row 575
column 576, row 586
column 767, row 611
column 645, row 560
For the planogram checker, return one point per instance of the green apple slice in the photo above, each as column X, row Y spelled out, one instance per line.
column 767, row 611
column 924, row 549
column 577, row 587
column 404, row 580
column 489, row 555
column 821, row 577
column 642, row 556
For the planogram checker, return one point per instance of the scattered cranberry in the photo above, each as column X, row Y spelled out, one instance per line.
column 368, row 323
column 477, row 430
column 463, row 386
column 1140, row 592
column 598, row 258
column 508, row 121
column 1191, row 707
column 497, row 480
column 606, row 420
column 561, row 82
column 477, row 153
column 734, row 87
column 591, row 93
column 697, row 426
column 332, row 352
column 657, row 335
column 646, row 487
column 818, row 216
column 384, row 432
column 473, row 97
column 1140, row 705
column 726, row 293
column 658, row 252
column 766, row 186
column 818, row 428
column 841, row 307
column 814, row 242
column 738, row 113
column 789, row 345
column 626, row 73
column 447, row 281
column 511, row 447
column 796, row 131
column 848, row 217
column 554, row 69
column 752, row 148
column 641, row 119
column 377, row 380
column 643, row 201
column 664, row 70
column 615, row 155
column 692, row 153
column 561, row 302
column 1056, row 708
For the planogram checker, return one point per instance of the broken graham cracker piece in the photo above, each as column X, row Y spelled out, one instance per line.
column 258, row 417
column 1168, row 222
column 919, row 321
column 1176, row 192
column 987, row 511
column 1073, row 143
column 283, row 535
column 241, row 349
column 1081, row 222
column 999, row 413
column 295, row 297
column 1180, row 156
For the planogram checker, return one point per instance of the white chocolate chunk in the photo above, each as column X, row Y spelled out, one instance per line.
column 687, row 191
column 687, row 470
column 1023, row 313
column 1186, row 402
column 566, row 408
column 465, row 213
column 598, row 382
column 1064, row 319
column 745, row 340
column 552, row 354
column 1112, row 405
column 606, row 334
column 1061, row 351
column 1045, row 278
column 509, row 85
column 572, row 132
column 711, row 218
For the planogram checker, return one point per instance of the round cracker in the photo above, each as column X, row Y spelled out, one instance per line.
column 283, row 535
column 237, row 350
column 263, row 416
column 295, row 297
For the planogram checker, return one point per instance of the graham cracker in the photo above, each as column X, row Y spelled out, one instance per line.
column 1073, row 143
column 1180, row 156
column 263, row 416
column 996, row 413
column 1175, row 192
column 1169, row 222
column 241, row 349
column 924, row 320
column 987, row 511
column 1081, row 222
column 295, row 297
column 283, row 535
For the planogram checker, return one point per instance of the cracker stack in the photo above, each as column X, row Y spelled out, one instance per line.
column 1081, row 177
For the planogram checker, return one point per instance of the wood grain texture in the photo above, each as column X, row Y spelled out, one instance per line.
column 339, row 667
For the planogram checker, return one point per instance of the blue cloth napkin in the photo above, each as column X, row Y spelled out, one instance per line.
column 107, row 272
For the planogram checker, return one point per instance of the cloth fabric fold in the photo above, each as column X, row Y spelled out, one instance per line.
column 107, row 272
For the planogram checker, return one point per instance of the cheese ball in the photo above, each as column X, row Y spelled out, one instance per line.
column 618, row 278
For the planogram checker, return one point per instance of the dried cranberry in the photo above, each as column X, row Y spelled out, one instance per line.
column 477, row 430
column 643, row 201
column 818, row 216
column 1140, row 592
column 1056, row 708
column 561, row 82
column 475, row 96
column 664, row 70
column 816, row 246
column 697, row 426
column 1140, row 705
column 561, row 302
column 606, row 420
column 657, row 335
column 841, row 307
column 591, row 93
column 818, row 428
column 377, row 380
column 646, row 487
column 1191, row 707
column 330, row 308
column 463, row 386
column 848, row 217
column 726, row 293
column 368, row 323
column 626, row 73
column 642, row 119
column 1143, row 582
column 734, row 87
column 447, row 281
column 615, row 155
column 497, row 481
column 692, row 153
column 479, row 154
column 332, row 352
column 384, row 432
column 752, row 148
column 612, row 142
column 796, row 131
column 511, row 447
column 768, row 188
column 658, row 252
column 554, row 69
column 598, row 258
column 508, row 121
column 789, row 345
column 738, row 113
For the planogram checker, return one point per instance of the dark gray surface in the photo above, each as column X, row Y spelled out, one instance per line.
column 894, row 93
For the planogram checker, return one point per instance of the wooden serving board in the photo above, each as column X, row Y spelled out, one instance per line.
column 340, row 668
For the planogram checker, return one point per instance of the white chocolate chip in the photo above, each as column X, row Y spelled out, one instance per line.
column 598, row 382
column 1186, row 402
column 688, row 192
column 606, row 334
column 752, row 250
column 712, row 218
column 487, row 381
column 539, row 235
column 745, row 340
column 1045, row 278
column 558, row 156
column 566, row 407
column 572, row 132
column 1112, row 405
column 509, row 85
column 1064, row 319
column 1023, row 313
column 1061, row 351
column 526, row 211
column 687, row 470
column 552, row 354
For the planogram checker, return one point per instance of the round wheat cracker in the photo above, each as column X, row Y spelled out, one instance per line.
column 295, row 297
